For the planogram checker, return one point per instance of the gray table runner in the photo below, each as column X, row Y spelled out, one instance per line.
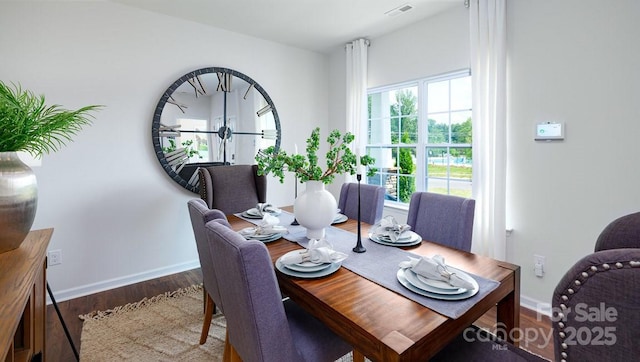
column 380, row 265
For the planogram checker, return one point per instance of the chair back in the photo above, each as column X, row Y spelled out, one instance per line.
column 443, row 219
column 371, row 201
column 598, row 298
column 233, row 188
column 257, row 325
column 623, row 232
column 200, row 215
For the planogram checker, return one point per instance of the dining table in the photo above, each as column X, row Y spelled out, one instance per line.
column 379, row 320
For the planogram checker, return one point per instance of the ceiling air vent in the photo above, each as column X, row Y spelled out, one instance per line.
column 399, row 10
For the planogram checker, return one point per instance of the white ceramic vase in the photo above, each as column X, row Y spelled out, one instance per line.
column 315, row 209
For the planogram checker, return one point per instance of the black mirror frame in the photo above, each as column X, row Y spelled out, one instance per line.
column 157, row 114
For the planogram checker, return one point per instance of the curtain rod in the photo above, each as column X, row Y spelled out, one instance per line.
column 366, row 41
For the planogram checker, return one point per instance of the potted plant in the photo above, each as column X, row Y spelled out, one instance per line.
column 315, row 209
column 27, row 124
column 340, row 159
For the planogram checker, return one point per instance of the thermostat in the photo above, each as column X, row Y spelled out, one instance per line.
column 547, row 131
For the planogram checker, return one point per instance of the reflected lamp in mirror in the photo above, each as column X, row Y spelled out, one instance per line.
column 212, row 116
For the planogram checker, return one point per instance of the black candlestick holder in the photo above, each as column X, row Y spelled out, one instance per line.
column 359, row 248
column 295, row 222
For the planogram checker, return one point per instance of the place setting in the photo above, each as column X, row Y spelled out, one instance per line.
column 389, row 232
column 260, row 210
column 266, row 231
column 431, row 277
column 319, row 259
column 339, row 218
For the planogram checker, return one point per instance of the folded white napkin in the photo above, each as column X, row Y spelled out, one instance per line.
column 318, row 251
column 388, row 226
column 268, row 226
column 435, row 268
column 267, row 209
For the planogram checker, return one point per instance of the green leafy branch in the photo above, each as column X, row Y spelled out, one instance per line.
column 340, row 159
column 27, row 124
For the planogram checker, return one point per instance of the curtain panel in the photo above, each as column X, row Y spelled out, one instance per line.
column 488, row 68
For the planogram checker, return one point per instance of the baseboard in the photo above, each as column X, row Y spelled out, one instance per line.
column 67, row 294
column 535, row 305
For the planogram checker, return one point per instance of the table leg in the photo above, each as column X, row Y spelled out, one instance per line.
column 508, row 313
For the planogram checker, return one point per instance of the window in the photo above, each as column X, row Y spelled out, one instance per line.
column 420, row 135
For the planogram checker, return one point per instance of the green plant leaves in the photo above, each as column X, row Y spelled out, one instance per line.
column 27, row 124
column 340, row 159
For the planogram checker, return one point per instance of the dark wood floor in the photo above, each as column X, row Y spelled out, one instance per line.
column 59, row 349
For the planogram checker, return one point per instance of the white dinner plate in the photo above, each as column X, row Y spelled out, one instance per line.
column 308, row 268
column 305, row 266
column 405, row 283
column 339, row 219
column 414, row 240
column 332, row 268
column 255, row 213
column 412, row 278
column 264, row 238
column 250, row 216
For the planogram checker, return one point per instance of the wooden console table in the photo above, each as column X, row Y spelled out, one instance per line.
column 23, row 299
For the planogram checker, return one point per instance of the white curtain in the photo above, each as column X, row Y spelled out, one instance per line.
column 357, row 91
column 488, row 69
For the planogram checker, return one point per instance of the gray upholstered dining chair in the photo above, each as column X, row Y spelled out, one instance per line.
column 232, row 188
column 444, row 219
column 371, row 200
column 623, row 232
column 260, row 326
column 596, row 315
column 200, row 214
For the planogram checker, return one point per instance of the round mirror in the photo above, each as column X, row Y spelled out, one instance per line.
column 212, row 116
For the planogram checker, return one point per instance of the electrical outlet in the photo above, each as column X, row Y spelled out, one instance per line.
column 54, row 257
column 538, row 265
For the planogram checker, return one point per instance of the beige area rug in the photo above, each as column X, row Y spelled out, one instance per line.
column 163, row 328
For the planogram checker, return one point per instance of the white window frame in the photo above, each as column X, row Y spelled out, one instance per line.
column 423, row 111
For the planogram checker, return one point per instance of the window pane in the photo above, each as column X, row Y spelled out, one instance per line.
column 436, row 162
column 395, row 130
column 460, row 162
column 438, row 96
column 409, row 130
column 407, row 168
column 407, row 101
column 461, row 93
column 461, row 127
column 460, row 188
column 438, row 128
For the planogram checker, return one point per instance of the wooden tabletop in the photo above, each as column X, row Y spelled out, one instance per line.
column 384, row 325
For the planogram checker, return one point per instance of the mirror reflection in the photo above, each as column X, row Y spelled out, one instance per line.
column 212, row 116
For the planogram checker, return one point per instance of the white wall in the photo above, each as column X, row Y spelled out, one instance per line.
column 574, row 61
column 118, row 218
column 571, row 60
